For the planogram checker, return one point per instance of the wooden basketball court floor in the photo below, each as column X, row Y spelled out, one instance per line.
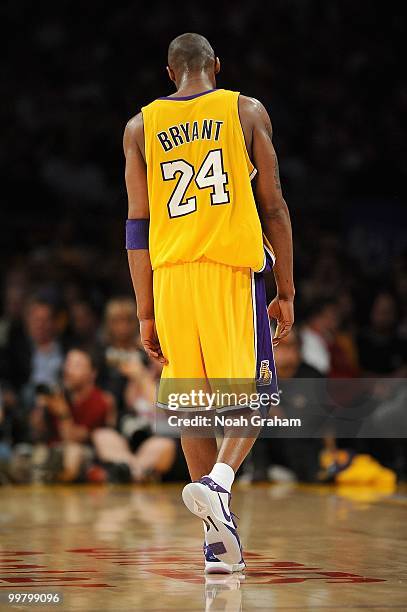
column 138, row 548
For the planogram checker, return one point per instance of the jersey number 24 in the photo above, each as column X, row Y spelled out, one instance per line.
column 211, row 174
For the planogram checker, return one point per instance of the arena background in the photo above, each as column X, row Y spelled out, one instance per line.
column 331, row 78
column 328, row 73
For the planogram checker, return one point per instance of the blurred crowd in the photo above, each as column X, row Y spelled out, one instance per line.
column 76, row 389
column 78, row 392
column 78, row 395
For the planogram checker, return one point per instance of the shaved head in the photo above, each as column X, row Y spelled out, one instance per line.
column 191, row 53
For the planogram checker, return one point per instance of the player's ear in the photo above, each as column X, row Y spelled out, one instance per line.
column 171, row 74
column 217, row 65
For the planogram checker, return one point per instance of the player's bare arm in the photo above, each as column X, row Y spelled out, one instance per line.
column 273, row 211
column 139, row 259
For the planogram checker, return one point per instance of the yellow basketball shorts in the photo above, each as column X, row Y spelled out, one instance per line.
column 212, row 323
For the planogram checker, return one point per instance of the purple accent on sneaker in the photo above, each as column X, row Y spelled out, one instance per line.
column 210, row 553
column 234, row 531
column 225, row 514
column 205, row 480
column 209, row 556
column 217, row 548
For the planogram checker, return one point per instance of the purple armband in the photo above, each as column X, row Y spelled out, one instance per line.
column 137, row 234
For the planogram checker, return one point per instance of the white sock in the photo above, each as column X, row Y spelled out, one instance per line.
column 223, row 475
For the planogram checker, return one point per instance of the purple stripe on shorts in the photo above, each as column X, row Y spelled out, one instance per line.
column 265, row 366
column 137, row 233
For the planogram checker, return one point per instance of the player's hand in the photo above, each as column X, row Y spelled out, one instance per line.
column 283, row 311
column 150, row 342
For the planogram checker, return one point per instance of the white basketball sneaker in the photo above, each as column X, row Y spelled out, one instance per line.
column 210, row 502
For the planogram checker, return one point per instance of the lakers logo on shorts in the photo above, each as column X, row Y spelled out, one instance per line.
column 265, row 373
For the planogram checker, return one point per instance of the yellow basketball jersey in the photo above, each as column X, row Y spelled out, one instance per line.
column 198, row 175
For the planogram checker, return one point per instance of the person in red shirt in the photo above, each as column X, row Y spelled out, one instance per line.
column 67, row 418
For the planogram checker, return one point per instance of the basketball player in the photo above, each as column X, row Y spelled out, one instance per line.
column 198, row 237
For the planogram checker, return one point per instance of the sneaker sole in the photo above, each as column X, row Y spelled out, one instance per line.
column 197, row 500
column 219, row 567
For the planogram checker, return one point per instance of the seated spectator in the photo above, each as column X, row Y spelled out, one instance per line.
column 66, row 418
column 36, row 355
column 122, row 348
column 299, row 455
column 321, row 323
column 83, row 325
column 289, row 358
column 324, row 346
column 382, row 349
column 147, row 456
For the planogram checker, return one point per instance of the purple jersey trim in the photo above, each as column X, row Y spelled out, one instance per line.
column 202, row 93
column 137, row 234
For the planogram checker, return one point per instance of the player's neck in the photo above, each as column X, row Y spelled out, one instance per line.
column 190, row 84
